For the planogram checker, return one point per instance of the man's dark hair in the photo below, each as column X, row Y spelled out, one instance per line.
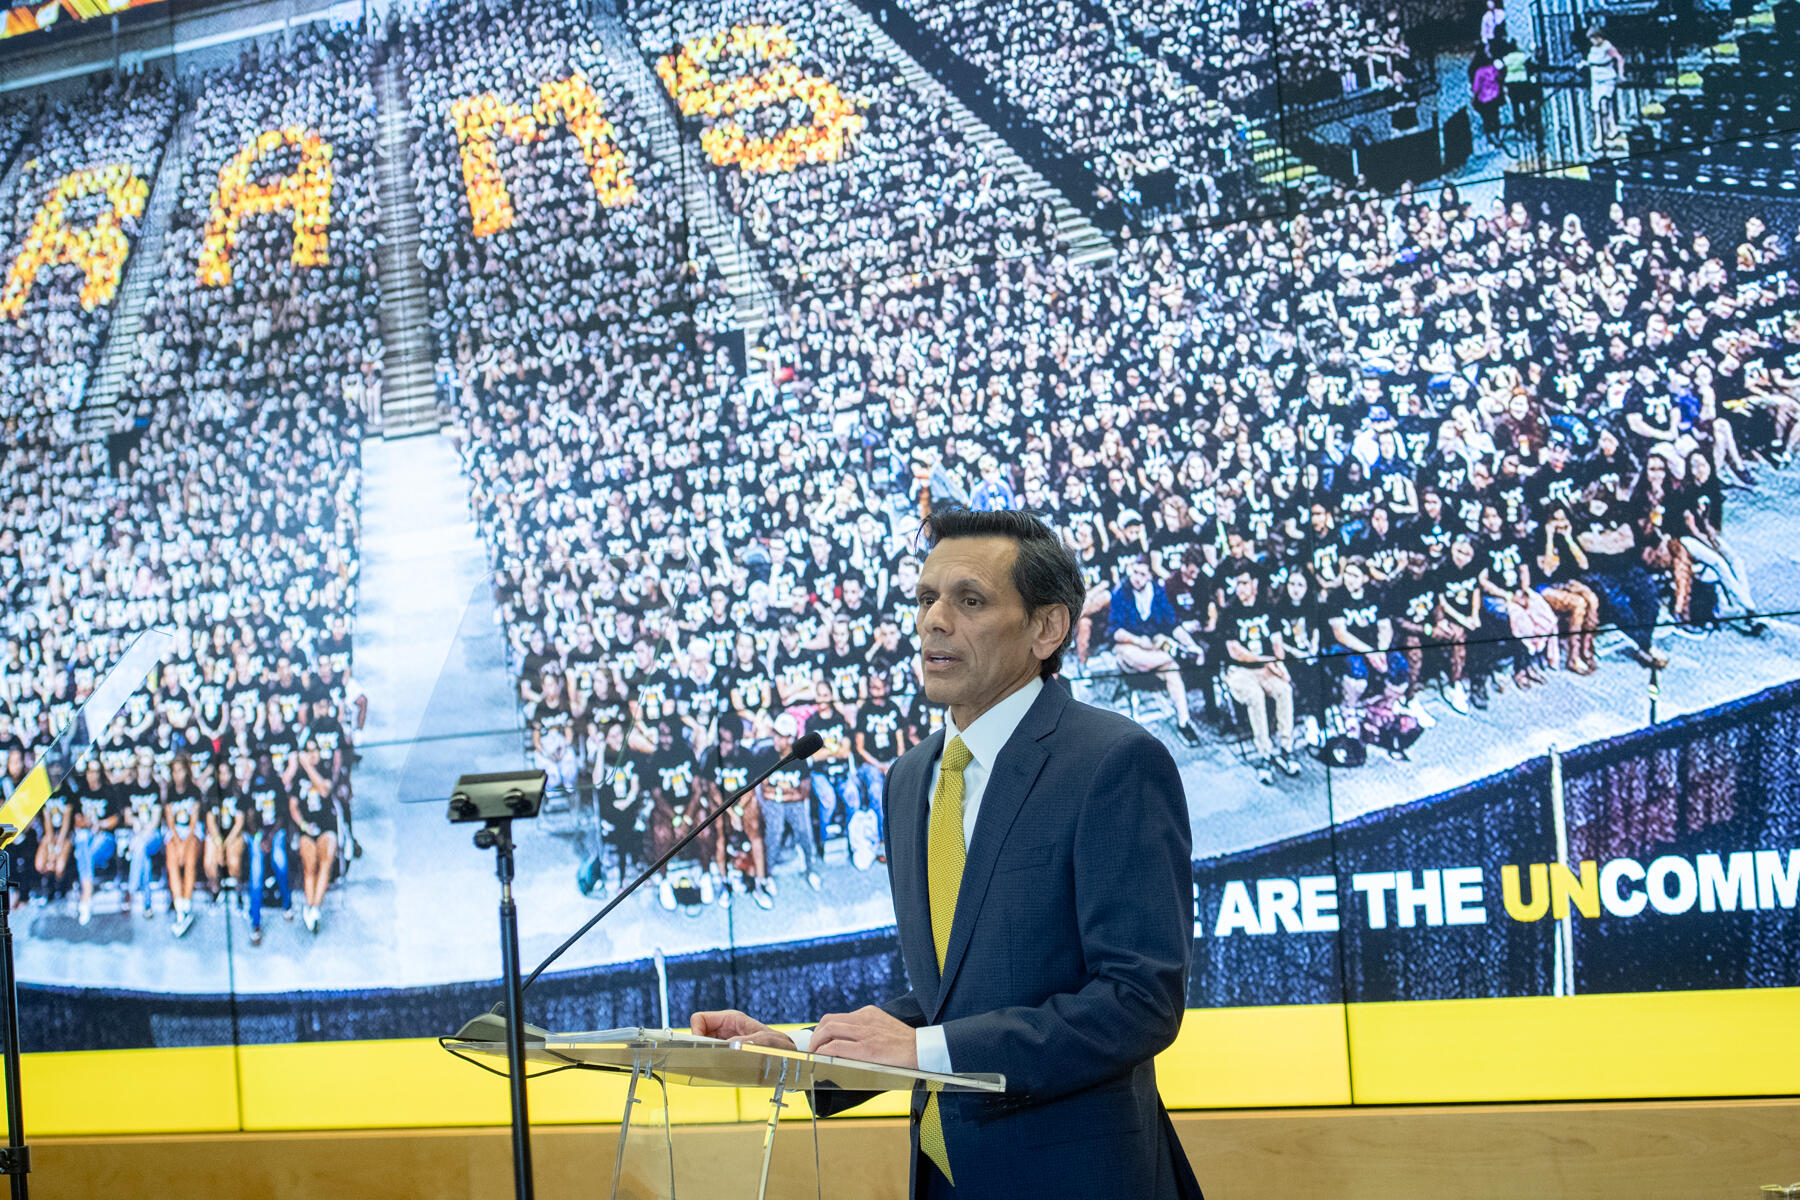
column 1045, row 571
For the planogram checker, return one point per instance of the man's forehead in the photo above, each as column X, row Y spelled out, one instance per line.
column 982, row 561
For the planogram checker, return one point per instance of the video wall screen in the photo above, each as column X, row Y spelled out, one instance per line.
column 25, row 19
column 1440, row 531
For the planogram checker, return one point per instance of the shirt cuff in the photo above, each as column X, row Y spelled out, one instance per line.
column 933, row 1049
column 802, row 1038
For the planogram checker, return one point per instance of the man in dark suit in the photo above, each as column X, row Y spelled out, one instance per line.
column 1040, row 863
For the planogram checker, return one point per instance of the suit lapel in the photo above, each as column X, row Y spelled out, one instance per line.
column 910, row 806
column 1016, row 769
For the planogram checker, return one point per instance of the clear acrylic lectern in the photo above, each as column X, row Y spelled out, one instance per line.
column 655, row 1058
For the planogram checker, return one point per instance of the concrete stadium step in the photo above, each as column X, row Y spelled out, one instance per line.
column 752, row 292
column 409, row 402
column 101, row 410
column 1083, row 241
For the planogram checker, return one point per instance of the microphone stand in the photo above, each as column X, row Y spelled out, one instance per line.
column 15, row 1156
column 496, row 801
column 803, row 748
column 493, row 1026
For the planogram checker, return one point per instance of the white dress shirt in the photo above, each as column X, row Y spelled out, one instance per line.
column 985, row 737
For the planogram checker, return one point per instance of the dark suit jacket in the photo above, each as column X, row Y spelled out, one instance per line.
column 1068, row 957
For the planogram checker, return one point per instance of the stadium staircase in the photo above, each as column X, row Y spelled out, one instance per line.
column 1084, row 242
column 102, row 411
column 1730, row 114
column 409, row 401
column 752, row 294
column 1277, row 166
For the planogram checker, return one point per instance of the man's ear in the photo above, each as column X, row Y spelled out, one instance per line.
column 1049, row 630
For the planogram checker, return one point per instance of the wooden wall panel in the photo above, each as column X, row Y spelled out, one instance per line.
column 1648, row 1150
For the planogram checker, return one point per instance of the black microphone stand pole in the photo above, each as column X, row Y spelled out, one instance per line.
column 496, row 801
column 15, row 1158
column 498, row 836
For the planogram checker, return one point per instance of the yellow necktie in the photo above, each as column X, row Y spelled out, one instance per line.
column 944, row 854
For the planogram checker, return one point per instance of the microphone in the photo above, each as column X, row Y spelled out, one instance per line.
column 491, row 1025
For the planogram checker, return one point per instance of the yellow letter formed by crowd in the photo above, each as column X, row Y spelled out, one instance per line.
column 99, row 250
column 305, row 192
column 477, row 119
column 688, row 75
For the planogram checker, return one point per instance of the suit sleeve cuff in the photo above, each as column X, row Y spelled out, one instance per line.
column 933, row 1049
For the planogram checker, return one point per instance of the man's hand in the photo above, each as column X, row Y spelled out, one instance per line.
column 868, row 1035
column 732, row 1024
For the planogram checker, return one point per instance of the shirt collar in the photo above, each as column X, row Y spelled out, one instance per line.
column 988, row 734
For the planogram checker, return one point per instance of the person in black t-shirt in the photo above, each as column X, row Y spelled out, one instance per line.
column 1610, row 467
column 794, row 666
column 834, row 778
column 227, row 812
column 786, row 797
column 1695, row 514
column 1435, row 526
column 748, row 688
column 843, row 663
column 185, row 833
column 95, row 811
column 1414, row 606
column 280, row 743
column 1561, row 562
column 1294, row 609
column 888, row 656
column 315, row 821
column 1508, row 596
column 1649, row 509
column 1555, row 482
column 880, row 739
column 621, row 793
column 738, row 850
column 1362, row 639
column 1256, row 674
column 1459, row 591
column 1616, row 573
column 270, row 812
column 333, row 741
column 677, row 804
column 141, row 806
column 553, row 734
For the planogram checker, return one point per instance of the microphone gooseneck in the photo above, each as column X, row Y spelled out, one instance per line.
column 803, row 748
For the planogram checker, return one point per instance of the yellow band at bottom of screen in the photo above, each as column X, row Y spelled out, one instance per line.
column 1722, row 1043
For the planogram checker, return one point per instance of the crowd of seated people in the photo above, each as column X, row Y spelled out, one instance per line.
column 1098, row 96
column 881, row 182
column 1498, row 453
column 77, row 196
column 1229, row 45
column 587, row 480
column 541, row 207
column 1317, row 474
column 1326, row 50
column 1505, row 437
column 15, row 122
column 230, row 513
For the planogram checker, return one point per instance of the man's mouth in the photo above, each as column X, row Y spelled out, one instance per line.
column 935, row 658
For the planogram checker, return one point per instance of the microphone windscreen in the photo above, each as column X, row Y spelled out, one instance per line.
column 807, row 746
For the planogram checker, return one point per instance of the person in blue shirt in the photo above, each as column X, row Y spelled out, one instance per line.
column 1148, row 634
